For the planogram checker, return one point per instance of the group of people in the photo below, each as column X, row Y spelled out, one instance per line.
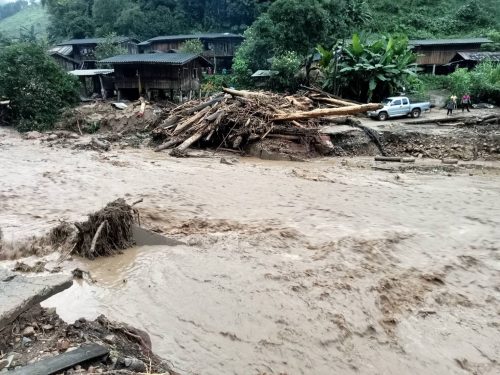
column 452, row 104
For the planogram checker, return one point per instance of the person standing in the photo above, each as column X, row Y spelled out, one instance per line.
column 449, row 107
column 466, row 102
column 454, row 100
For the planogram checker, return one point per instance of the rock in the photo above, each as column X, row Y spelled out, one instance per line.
column 73, row 136
column 18, row 293
column 52, row 137
column 449, row 161
column 63, row 345
column 133, row 364
column 47, row 327
column 26, row 341
column 33, row 135
column 109, row 339
column 225, row 161
column 29, row 331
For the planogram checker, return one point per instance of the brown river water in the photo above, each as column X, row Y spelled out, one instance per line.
column 325, row 267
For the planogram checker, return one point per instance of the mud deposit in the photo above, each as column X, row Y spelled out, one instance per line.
column 298, row 268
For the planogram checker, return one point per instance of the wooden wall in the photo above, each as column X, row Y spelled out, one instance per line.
column 158, row 76
column 213, row 47
column 440, row 55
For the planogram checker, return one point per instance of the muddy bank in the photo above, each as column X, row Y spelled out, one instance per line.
column 40, row 334
column 328, row 265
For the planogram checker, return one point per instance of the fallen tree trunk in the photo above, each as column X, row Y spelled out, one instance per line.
column 170, row 143
column 199, row 107
column 188, row 142
column 244, row 94
column 435, row 120
column 333, row 101
column 190, row 121
column 327, row 112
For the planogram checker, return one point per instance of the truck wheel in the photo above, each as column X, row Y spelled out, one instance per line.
column 416, row 113
column 382, row 116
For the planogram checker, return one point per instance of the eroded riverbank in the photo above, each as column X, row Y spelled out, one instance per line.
column 319, row 267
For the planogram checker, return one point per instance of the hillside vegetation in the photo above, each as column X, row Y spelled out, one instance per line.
column 422, row 19
column 33, row 17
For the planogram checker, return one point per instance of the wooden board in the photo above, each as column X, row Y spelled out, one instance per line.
column 63, row 361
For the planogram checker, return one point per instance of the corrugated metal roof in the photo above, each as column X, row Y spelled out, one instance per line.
column 62, row 50
column 154, row 58
column 434, row 42
column 191, row 36
column 479, row 56
column 118, row 39
column 91, row 72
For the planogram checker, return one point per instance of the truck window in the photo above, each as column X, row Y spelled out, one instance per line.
column 396, row 102
column 405, row 101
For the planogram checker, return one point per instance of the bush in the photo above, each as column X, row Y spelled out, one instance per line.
column 483, row 82
column 287, row 65
column 36, row 86
column 215, row 82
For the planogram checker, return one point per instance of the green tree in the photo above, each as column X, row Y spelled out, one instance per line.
column 192, row 46
column 36, row 86
column 289, row 25
column 109, row 48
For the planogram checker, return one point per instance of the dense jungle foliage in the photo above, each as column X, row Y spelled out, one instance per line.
column 149, row 18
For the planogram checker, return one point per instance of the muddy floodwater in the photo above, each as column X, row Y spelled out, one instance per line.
column 324, row 267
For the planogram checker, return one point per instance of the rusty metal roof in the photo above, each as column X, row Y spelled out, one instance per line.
column 156, row 58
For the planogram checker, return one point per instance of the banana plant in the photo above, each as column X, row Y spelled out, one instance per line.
column 370, row 66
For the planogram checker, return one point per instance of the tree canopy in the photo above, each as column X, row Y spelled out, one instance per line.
column 148, row 18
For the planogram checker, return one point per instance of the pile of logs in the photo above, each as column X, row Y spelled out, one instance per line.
column 234, row 119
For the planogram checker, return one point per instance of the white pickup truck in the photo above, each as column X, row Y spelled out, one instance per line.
column 397, row 106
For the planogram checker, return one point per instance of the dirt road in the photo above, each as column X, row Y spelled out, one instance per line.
column 299, row 268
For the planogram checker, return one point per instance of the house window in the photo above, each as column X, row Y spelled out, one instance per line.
column 195, row 73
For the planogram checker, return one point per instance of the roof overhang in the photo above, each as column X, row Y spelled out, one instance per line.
column 91, row 72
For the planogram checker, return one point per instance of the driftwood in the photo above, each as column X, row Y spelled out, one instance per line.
column 244, row 94
column 201, row 106
column 333, row 101
column 188, row 142
column 170, row 143
column 96, row 236
column 190, row 121
column 328, row 112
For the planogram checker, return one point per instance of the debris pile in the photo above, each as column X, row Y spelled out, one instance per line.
column 106, row 232
column 236, row 119
column 39, row 337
